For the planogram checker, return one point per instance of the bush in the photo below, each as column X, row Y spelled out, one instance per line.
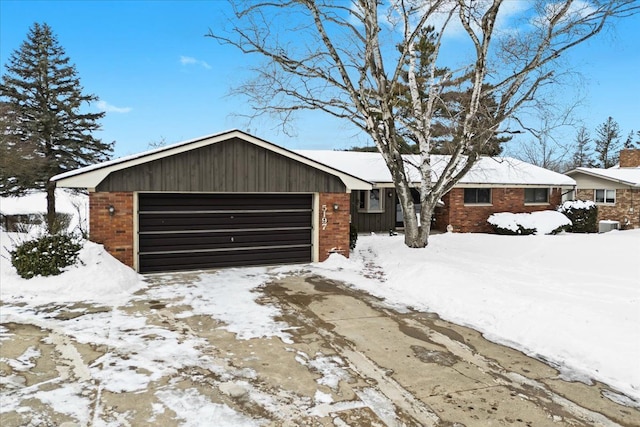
column 522, row 224
column 46, row 255
column 353, row 236
column 583, row 215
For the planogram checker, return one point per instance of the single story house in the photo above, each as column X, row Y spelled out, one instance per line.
column 494, row 184
column 228, row 199
column 616, row 190
column 232, row 199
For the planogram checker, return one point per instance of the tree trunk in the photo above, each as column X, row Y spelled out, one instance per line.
column 51, row 208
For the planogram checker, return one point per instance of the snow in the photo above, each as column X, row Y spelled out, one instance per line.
column 35, row 202
column 577, row 204
column 570, row 299
column 488, row 170
column 544, row 222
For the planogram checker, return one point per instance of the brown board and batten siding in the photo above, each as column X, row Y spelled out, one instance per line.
column 228, row 166
column 375, row 222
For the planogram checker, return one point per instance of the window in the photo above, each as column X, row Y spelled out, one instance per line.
column 477, row 196
column 371, row 200
column 536, row 195
column 605, row 196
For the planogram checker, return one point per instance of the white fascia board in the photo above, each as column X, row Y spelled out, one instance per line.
column 601, row 176
column 92, row 176
column 503, row 185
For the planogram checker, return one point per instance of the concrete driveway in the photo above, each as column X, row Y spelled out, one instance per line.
column 351, row 361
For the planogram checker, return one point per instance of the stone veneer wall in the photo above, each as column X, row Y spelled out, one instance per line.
column 335, row 236
column 115, row 232
column 626, row 209
column 473, row 218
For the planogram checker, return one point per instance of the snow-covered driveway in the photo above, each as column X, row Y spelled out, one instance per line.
column 256, row 347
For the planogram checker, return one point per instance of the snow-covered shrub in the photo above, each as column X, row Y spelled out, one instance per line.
column 583, row 215
column 46, row 255
column 543, row 222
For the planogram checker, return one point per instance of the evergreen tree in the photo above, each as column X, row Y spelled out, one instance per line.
column 583, row 156
column 42, row 125
column 630, row 143
column 607, row 143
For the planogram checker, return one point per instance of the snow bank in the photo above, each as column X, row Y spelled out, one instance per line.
column 544, row 222
column 98, row 277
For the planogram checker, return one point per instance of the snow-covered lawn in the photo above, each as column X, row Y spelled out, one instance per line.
column 571, row 299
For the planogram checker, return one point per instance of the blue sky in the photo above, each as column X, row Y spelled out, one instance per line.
column 158, row 77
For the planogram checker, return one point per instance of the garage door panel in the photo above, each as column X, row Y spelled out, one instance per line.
column 161, row 262
column 221, row 240
column 210, row 221
column 201, row 231
column 191, row 202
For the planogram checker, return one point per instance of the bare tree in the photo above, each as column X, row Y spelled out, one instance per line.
column 351, row 60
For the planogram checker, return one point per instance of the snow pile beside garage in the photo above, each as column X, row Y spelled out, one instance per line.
column 569, row 299
column 97, row 277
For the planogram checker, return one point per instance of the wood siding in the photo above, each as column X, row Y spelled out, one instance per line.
column 375, row 222
column 229, row 166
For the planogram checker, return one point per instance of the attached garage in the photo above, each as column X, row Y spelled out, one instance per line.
column 199, row 231
column 224, row 200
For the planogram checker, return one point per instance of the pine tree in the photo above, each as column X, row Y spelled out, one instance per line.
column 42, row 125
column 608, row 143
column 630, row 143
column 582, row 157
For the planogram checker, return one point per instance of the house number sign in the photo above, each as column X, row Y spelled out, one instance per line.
column 324, row 220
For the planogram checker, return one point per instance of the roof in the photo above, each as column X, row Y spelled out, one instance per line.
column 503, row 171
column 627, row 176
column 91, row 176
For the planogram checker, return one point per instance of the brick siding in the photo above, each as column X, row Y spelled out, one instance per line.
column 115, row 232
column 630, row 158
column 335, row 236
column 626, row 209
column 473, row 219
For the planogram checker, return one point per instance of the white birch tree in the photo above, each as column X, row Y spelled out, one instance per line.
column 352, row 59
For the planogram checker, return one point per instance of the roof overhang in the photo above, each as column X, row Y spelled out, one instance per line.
column 91, row 176
column 601, row 176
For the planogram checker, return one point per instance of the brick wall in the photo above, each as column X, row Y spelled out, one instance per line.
column 335, row 236
column 473, row 219
column 626, row 209
column 115, row 232
column 630, row 158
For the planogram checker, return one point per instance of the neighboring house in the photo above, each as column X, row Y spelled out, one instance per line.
column 228, row 199
column 616, row 190
column 494, row 184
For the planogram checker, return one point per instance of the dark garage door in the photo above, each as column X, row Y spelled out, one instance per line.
column 200, row 231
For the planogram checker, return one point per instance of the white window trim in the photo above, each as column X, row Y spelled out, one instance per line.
column 367, row 199
column 605, row 196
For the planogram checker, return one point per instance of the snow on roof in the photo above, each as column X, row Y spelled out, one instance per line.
column 629, row 176
column 91, row 176
column 488, row 170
